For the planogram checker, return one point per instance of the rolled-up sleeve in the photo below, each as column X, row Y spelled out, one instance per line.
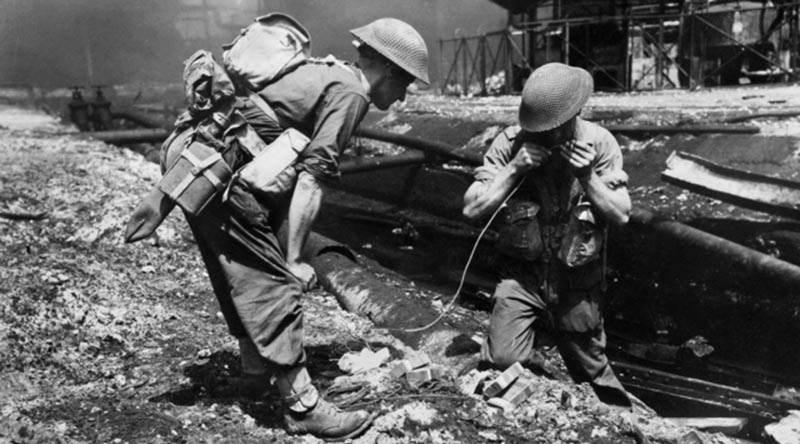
column 338, row 115
column 608, row 164
column 497, row 156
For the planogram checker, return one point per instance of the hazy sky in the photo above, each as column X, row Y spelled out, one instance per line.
column 57, row 43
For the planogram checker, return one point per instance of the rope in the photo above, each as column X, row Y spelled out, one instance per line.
column 466, row 267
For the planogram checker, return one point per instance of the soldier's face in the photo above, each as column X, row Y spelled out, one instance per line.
column 558, row 135
column 392, row 88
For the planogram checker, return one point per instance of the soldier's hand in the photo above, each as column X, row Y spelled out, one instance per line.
column 580, row 156
column 530, row 156
column 305, row 273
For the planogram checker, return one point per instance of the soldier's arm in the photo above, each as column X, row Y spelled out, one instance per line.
column 337, row 117
column 303, row 211
column 614, row 204
column 599, row 171
column 498, row 176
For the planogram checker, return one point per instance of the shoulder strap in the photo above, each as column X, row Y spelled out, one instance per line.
column 262, row 105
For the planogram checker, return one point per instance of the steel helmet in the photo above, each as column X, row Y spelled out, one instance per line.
column 553, row 94
column 399, row 42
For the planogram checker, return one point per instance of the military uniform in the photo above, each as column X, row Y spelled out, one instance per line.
column 238, row 239
column 536, row 291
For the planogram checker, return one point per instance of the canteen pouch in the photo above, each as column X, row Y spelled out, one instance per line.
column 583, row 238
column 271, row 175
column 195, row 177
column 519, row 235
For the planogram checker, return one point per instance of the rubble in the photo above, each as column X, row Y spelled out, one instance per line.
column 363, row 361
column 785, row 431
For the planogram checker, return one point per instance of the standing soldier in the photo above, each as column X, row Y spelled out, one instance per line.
column 259, row 283
column 563, row 180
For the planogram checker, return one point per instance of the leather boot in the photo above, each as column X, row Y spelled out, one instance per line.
column 306, row 412
column 326, row 421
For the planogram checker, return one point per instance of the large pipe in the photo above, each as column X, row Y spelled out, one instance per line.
column 425, row 145
column 359, row 291
column 123, row 137
column 772, row 270
column 362, row 164
column 638, row 130
column 141, row 118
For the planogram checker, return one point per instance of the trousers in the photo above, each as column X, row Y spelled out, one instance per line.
column 517, row 314
column 257, row 294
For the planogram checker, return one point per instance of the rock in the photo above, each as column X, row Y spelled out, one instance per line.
column 470, row 383
column 363, row 361
column 785, row 431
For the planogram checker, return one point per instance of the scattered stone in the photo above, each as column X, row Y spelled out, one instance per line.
column 470, row 384
column 504, row 380
column 400, row 368
column 418, row 360
column 785, row 431
column 363, row 361
column 502, row 404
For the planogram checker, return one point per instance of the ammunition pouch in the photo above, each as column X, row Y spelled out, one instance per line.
column 195, row 177
column 583, row 237
column 519, row 235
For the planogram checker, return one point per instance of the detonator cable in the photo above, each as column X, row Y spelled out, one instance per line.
column 466, row 267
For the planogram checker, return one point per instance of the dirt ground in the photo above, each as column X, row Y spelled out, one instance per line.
column 106, row 342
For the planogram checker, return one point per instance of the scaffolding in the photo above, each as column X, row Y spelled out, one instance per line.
column 631, row 47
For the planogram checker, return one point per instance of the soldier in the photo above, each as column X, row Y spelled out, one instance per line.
column 566, row 182
column 257, row 279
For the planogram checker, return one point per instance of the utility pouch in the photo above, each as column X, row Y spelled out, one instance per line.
column 195, row 177
column 583, row 238
column 519, row 235
column 271, row 173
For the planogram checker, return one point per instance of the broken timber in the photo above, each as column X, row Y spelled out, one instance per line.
column 749, row 190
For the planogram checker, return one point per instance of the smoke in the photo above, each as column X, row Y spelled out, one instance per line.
column 59, row 43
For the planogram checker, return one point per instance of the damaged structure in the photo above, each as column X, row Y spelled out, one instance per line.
column 631, row 45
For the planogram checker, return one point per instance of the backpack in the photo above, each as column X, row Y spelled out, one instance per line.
column 272, row 46
column 194, row 172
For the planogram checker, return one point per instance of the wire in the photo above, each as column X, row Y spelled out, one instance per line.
column 466, row 267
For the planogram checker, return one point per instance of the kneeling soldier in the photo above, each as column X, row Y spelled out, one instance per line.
column 570, row 187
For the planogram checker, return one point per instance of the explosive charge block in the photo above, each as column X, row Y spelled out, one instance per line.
column 504, row 380
column 418, row 376
column 500, row 403
column 419, row 360
column 519, row 391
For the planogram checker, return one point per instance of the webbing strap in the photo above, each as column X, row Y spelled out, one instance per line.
column 200, row 168
column 250, row 140
column 262, row 105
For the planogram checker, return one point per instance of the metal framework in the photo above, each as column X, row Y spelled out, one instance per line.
column 482, row 61
column 649, row 50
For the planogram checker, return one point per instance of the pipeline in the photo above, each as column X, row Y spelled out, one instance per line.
column 773, row 270
column 362, row 164
column 360, row 291
column 124, row 137
column 639, row 130
column 427, row 146
column 141, row 118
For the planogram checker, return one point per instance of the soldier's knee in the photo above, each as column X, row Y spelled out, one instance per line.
column 504, row 356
